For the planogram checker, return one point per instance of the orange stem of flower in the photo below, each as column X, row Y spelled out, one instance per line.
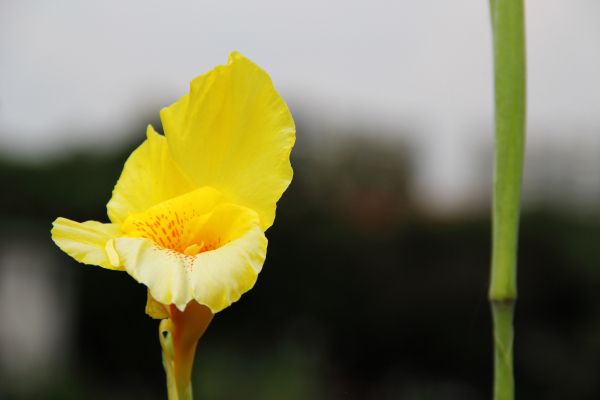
column 179, row 336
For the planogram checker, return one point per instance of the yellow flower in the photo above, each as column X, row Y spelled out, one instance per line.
column 189, row 212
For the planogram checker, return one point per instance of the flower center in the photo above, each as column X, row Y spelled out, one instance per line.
column 187, row 224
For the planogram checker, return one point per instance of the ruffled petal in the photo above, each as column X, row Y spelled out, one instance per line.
column 88, row 242
column 161, row 270
column 223, row 275
column 235, row 133
column 149, row 177
column 220, row 277
column 215, row 278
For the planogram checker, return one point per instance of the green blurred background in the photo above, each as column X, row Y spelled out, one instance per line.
column 376, row 275
column 364, row 294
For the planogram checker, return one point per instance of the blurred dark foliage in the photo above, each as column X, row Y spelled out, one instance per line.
column 364, row 294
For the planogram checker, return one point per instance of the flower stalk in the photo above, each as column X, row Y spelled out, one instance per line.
column 510, row 92
column 179, row 335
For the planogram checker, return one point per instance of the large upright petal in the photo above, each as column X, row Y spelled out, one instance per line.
column 235, row 133
column 149, row 177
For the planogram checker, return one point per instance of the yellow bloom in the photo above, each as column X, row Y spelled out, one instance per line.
column 189, row 212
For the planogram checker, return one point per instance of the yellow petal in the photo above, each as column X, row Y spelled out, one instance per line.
column 220, row 277
column 215, row 278
column 235, row 133
column 156, row 309
column 88, row 242
column 148, row 178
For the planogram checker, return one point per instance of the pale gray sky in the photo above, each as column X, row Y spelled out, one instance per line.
column 75, row 73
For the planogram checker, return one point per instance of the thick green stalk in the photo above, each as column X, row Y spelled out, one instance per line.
column 509, row 66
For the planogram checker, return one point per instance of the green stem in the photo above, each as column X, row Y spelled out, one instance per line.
column 503, row 350
column 509, row 66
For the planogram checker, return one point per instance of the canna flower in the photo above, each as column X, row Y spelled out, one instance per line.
column 189, row 212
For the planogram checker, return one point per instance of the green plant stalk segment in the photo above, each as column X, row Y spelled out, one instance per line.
column 509, row 66
column 502, row 314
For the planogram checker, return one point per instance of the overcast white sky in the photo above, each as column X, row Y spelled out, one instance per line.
column 76, row 73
